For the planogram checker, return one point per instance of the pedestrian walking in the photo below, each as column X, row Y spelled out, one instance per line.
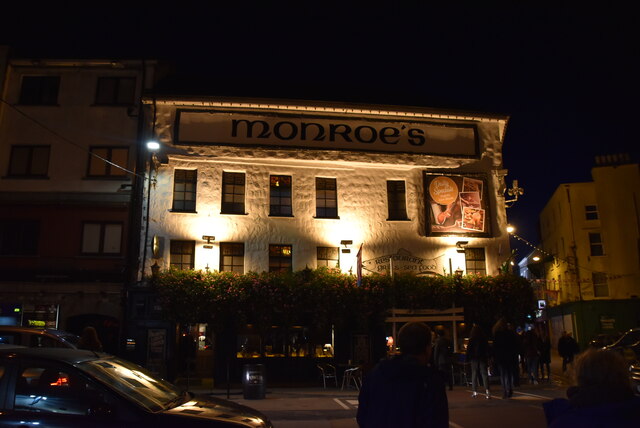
column 567, row 348
column 602, row 396
column 531, row 351
column 443, row 356
column 505, row 351
column 89, row 340
column 405, row 392
column 477, row 356
column 545, row 355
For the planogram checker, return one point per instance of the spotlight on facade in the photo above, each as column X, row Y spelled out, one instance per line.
column 510, row 229
column 536, row 258
column 460, row 246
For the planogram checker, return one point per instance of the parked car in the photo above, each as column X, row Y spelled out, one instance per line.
column 37, row 337
column 628, row 345
column 604, row 339
column 634, row 371
column 78, row 388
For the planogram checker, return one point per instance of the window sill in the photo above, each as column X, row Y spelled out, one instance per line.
column 327, row 218
column 222, row 213
column 26, row 177
column 106, row 178
column 100, row 256
column 283, row 216
column 183, row 211
column 398, row 219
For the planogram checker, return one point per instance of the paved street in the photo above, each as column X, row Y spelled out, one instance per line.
column 332, row 408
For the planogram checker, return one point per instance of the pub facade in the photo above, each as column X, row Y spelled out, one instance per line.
column 253, row 185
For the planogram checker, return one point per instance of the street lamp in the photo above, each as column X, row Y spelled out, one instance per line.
column 152, row 147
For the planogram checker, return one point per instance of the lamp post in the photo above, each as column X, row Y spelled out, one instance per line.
column 152, row 148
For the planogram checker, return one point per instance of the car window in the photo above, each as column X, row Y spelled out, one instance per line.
column 133, row 381
column 10, row 338
column 53, row 389
column 42, row 341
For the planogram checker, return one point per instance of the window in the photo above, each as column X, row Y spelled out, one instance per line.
column 43, row 388
column 233, row 192
column 116, row 90
column 328, row 256
column 396, row 200
column 231, row 257
column 102, row 238
column 184, row 190
column 591, row 212
column 326, row 198
column 182, row 254
column 475, row 261
column 19, row 237
column 600, row 286
column 29, row 161
column 595, row 243
column 114, row 155
column 280, row 195
column 39, row 90
column 280, row 258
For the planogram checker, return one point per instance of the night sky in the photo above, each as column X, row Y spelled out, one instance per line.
column 566, row 76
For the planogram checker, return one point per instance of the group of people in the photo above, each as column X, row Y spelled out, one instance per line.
column 409, row 390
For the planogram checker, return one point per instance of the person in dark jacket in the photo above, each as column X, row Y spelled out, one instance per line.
column 545, row 356
column 505, row 351
column 405, row 392
column 567, row 348
column 443, row 356
column 477, row 356
column 602, row 398
column 531, row 352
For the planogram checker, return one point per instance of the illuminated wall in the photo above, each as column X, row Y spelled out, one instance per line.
column 361, row 172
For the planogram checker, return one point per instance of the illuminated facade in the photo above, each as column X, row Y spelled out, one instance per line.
column 278, row 185
column 590, row 235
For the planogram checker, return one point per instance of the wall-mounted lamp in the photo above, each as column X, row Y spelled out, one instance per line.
column 157, row 246
column 209, row 240
column 514, row 192
column 460, row 246
column 536, row 258
column 346, row 244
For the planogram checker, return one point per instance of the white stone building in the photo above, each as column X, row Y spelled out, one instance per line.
column 280, row 185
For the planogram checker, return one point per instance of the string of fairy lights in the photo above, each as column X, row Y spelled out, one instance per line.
column 569, row 262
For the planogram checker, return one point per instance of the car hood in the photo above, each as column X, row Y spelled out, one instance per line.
column 205, row 407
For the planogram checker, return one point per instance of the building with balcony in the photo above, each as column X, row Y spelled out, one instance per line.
column 68, row 150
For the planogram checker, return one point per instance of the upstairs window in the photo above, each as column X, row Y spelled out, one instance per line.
column 475, row 261
column 280, row 196
column 29, row 161
column 116, row 91
column 326, row 198
column 103, row 161
column 233, row 186
column 232, row 257
column 102, row 238
column 396, row 197
column 182, row 254
column 600, row 285
column 595, row 244
column 19, row 237
column 280, row 258
column 328, row 256
column 591, row 212
column 184, row 190
column 39, row 90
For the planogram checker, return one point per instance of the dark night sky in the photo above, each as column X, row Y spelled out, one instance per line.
column 566, row 76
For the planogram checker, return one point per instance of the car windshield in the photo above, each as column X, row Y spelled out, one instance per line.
column 133, row 381
column 630, row 338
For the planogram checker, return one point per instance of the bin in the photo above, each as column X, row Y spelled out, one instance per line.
column 254, row 385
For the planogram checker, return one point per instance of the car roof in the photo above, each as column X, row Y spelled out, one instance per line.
column 67, row 355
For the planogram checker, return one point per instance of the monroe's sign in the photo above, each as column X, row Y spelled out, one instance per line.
column 332, row 133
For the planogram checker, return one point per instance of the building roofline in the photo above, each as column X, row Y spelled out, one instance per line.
column 322, row 107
